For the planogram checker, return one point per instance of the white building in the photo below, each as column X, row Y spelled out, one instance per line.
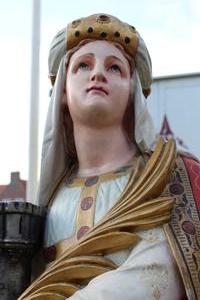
column 178, row 98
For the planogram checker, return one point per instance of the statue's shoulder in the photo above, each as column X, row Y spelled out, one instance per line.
column 188, row 156
column 188, row 170
column 183, row 229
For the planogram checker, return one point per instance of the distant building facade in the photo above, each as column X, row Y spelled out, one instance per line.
column 175, row 107
column 15, row 190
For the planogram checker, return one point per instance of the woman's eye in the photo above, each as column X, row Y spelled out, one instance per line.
column 115, row 69
column 83, row 66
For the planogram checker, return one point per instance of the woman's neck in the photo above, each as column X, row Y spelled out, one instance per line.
column 100, row 150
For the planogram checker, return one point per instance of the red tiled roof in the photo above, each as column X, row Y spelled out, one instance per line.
column 15, row 189
column 2, row 188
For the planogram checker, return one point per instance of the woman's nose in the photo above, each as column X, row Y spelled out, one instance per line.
column 98, row 76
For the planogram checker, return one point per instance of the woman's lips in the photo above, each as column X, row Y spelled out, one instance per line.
column 97, row 89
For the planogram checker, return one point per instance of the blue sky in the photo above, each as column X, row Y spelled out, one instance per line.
column 169, row 28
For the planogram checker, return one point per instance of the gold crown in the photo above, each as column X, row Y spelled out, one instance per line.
column 102, row 27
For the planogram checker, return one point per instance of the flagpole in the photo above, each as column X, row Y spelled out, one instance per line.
column 34, row 105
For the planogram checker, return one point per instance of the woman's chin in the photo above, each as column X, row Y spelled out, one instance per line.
column 97, row 106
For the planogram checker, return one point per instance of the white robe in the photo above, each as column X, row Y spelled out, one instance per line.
column 146, row 272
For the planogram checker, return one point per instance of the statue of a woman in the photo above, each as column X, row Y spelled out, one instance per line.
column 122, row 217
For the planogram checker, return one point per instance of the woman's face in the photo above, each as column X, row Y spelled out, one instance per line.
column 98, row 84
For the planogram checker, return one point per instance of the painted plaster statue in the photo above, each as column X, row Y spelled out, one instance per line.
column 123, row 206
